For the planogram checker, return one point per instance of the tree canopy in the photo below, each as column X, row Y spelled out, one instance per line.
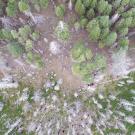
column 109, row 20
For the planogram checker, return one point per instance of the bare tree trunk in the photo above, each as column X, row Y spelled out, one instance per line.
column 114, row 18
column 70, row 5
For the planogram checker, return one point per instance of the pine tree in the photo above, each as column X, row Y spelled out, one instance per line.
column 79, row 7
column 23, row 6
column 60, row 10
column 94, row 30
column 110, row 38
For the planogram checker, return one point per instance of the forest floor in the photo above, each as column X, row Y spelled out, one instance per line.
column 59, row 63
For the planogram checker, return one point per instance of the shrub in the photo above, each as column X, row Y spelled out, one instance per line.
column 23, row 6
column 60, row 10
column 14, row 34
column 100, row 62
column 94, row 30
column 7, row 34
column 43, row 3
column 123, row 42
column 35, row 36
column 77, row 52
column 83, row 23
column 110, row 38
column 1, row 7
column 62, row 31
column 11, row 8
column 28, row 45
column 15, row 49
column 79, row 7
column 24, row 32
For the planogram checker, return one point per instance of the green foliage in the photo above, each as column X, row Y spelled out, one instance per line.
column 29, row 45
column 38, row 61
column 1, row 7
column 123, row 42
column 94, row 29
column 24, row 32
column 125, row 22
column 21, row 41
column 83, row 23
column 86, row 3
column 132, row 3
column 80, row 53
column 104, row 8
column 11, row 8
column 40, row 4
column 77, row 26
column 6, row 34
column 93, row 3
column 15, row 49
column 35, row 36
column 43, row 3
column 110, row 39
column 85, row 64
column 79, row 7
column 34, row 58
column 100, row 61
column 60, row 10
column 77, row 52
column 14, row 33
column 62, row 31
column 23, row 6
column 104, row 33
column 123, row 31
column 90, row 14
column 102, row 13
column 103, row 21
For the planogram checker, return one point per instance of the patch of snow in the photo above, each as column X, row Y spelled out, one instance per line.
column 121, row 63
column 54, row 47
column 25, row 95
column 27, row 107
column 37, row 96
column 1, row 106
column 60, row 81
column 130, row 81
column 13, row 126
column 57, row 87
column 54, row 98
column 130, row 120
column 46, row 40
column 6, row 85
column 75, row 94
column 31, row 127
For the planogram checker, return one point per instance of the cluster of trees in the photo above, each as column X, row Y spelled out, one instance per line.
column 107, row 21
column 14, row 6
column 21, row 41
column 85, row 63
